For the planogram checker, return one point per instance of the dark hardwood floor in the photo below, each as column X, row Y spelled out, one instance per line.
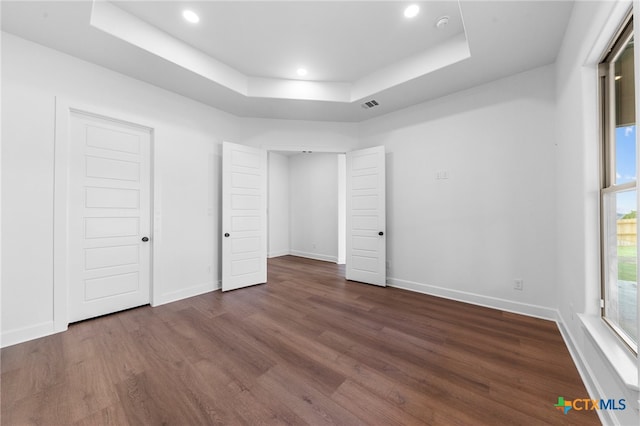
column 307, row 348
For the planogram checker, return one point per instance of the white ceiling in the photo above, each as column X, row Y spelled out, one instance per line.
column 242, row 56
column 336, row 41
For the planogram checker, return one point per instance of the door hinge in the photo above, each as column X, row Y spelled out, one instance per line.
column 601, row 303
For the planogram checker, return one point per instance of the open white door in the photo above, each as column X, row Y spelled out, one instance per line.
column 366, row 240
column 244, row 216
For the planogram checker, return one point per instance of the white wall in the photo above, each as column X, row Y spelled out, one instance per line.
column 514, row 204
column 186, row 173
column 278, row 205
column 187, row 168
column 592, row 26
column 492, row 221
column 314, row 205
column 342, row 209
column 295, row 135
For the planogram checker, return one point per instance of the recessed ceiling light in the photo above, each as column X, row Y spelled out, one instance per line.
column 301, row 72
column 191, row 16
column 411, row 11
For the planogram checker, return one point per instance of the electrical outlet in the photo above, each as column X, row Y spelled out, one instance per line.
column 518, row 285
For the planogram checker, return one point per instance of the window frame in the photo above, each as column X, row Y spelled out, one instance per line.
column 608, row 186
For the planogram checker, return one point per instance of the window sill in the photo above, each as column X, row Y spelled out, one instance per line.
column 623, row 361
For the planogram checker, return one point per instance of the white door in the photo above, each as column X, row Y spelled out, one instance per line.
column 109, row 216
column 366, row 239
column 244, row 216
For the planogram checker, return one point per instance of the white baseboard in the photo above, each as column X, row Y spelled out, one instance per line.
column 24, row 334
column 184, row 293
column 278, row 253
column 13, row 337
column 589, row 379
column 314, row 256
column 578, row 359
column 593, row 388
column 476, row 299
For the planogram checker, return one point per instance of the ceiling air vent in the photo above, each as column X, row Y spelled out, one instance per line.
column 370, row 104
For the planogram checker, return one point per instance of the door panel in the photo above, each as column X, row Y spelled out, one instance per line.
column 111, row 168
column 366, row 239
column 113, row 198
column 114, row 285
column 109, row 213
column 109, row 257
column 244, row 216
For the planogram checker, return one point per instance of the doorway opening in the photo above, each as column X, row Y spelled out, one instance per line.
column 307, row 204
column 250, row 200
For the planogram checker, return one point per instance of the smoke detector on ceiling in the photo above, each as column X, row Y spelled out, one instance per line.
column 370, row 104
column 442, row 22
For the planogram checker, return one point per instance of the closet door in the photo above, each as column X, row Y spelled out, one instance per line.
column 366, row 239
column 244, row 216
column 109, row 216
